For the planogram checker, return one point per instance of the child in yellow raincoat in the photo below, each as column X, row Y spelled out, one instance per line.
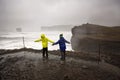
column 45, row 41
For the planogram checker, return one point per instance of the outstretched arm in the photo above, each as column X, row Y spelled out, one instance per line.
column 50, row 41
column 56, row 42
column 67, row 41
column 38, row 40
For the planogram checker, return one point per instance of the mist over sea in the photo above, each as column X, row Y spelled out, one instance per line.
column 14, row 40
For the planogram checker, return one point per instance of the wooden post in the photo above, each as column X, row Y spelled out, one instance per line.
column 99, row 46
column 23, row 43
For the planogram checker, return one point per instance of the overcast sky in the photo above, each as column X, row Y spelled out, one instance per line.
column 36, row 13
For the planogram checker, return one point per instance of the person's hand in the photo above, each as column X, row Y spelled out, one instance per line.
column 35, row 41
column 68, row 42
column 53, row 44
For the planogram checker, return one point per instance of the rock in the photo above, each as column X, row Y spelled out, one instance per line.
column 66, row 77
column 84, row 67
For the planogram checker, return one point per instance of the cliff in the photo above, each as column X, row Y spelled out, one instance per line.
column 57, row 28
column 95, row 38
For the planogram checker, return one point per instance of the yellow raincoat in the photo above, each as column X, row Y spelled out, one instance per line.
column 44, row 41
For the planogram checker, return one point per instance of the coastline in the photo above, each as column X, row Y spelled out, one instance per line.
column 95, row 57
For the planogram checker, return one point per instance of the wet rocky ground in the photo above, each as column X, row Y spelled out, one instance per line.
column 29, row 65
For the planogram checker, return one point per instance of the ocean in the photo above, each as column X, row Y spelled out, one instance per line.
column 14, row 40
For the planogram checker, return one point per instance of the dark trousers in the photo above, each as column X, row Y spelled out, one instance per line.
column 63, row 55
column 45, row 52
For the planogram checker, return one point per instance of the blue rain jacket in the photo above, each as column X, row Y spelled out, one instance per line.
column 61, row 43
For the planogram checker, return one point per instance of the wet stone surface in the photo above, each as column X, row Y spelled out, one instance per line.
column 31, row 66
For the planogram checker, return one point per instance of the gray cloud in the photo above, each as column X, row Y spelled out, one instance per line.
column 36, row 13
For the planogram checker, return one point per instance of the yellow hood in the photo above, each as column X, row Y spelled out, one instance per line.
column 42, row 35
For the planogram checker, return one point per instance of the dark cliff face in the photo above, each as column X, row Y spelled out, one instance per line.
column 90, row 37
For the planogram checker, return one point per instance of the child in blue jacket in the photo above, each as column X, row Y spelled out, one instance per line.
column 62, row 46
